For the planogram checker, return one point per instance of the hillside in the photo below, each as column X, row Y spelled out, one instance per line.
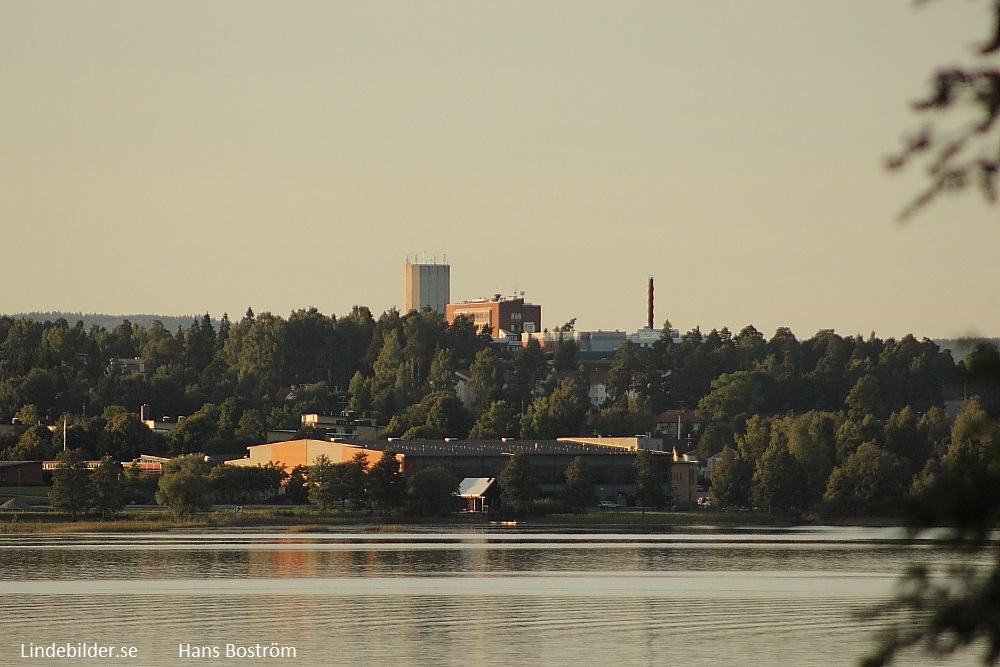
column 961, row 347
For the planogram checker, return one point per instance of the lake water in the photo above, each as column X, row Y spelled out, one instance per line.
column 471, row 598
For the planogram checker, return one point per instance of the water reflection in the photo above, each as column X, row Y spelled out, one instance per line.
column 453, row 598
column 276, row 556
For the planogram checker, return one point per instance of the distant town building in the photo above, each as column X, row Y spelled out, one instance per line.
column 506, row 341
column 54, row 464
column 677, row 423
column 124, row 367
column 345, row 424
column 20, row 473
column 597, row 342
column 611, row 461
column 164, row 425
column 15, row 426
column 647, row 337
column 500, row 313
column 630, row 443
column 684, row 483
column 148, row 464
column 426, row 286
column 462, row 380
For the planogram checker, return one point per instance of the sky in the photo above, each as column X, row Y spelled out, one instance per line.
column 188, row 157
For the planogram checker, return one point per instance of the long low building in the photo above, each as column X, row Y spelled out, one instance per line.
column 21, row 473
column 612, row 466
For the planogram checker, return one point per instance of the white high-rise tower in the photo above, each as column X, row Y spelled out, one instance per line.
column 426, row 286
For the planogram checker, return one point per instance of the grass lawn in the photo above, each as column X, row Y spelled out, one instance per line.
column 36, row 491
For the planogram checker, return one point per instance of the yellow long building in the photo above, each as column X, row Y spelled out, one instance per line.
column 304, row 453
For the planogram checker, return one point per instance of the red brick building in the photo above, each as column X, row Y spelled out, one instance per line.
column 500, row 313
column 20, row 473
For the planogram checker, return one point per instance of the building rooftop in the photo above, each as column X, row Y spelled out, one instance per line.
column 496, row 298
column 453, row 447
column 474, row 487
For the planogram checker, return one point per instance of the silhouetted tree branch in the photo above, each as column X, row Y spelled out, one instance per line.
column 961, row 147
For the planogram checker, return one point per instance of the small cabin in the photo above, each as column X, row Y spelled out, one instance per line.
column 478, row 494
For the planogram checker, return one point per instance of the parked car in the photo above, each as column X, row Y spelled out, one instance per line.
column 607, row 505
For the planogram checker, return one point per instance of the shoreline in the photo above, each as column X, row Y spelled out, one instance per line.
column 303, row 520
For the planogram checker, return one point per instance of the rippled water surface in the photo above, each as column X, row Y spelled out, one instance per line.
column 503, row 597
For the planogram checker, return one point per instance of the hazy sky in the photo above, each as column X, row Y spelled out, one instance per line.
column 190, row 157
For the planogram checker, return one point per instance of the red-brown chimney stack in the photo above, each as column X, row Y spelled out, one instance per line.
column 649, row 313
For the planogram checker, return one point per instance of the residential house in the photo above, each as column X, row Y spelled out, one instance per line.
column 677, row 424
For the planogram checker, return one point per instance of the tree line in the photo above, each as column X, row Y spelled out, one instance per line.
column 821, row 400
column 187, row 484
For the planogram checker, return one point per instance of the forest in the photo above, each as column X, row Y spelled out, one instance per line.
column 848, row 424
